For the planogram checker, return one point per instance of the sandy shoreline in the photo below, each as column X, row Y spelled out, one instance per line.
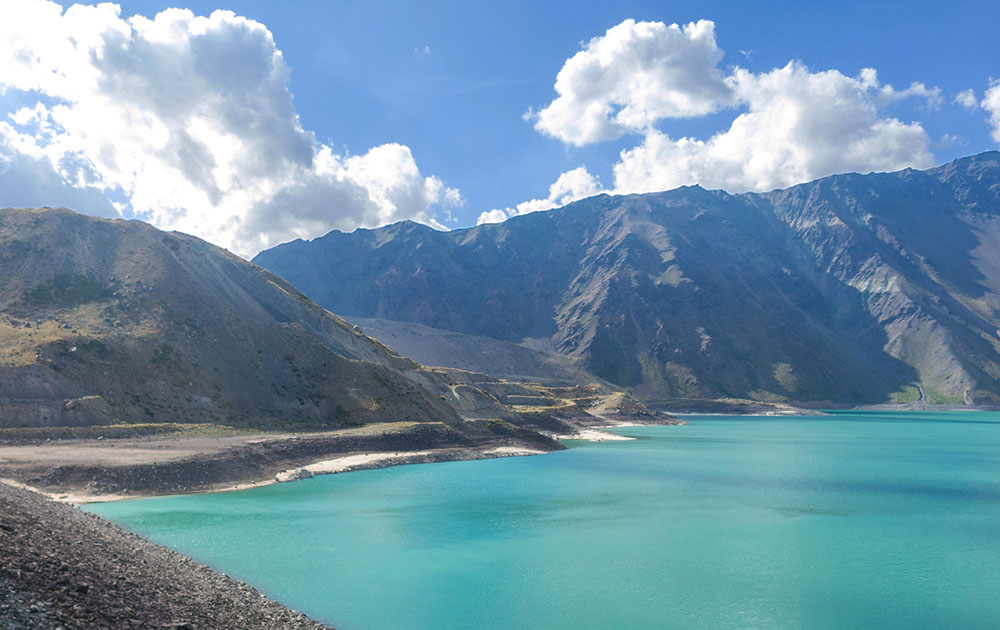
column 83, row 471
column 345, row 463
column 369, row 461
column 595, row 435
column 79, row 471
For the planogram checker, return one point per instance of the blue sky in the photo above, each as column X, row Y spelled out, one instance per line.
column 358, row 81
column 451, row 82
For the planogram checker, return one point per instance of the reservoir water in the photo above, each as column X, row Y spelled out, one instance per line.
column 858, row 520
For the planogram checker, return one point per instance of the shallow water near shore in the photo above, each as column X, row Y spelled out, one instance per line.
column 859, row 520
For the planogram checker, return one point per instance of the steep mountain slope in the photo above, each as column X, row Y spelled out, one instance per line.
column 853, row 288
column 115, row 321
column 503, row 359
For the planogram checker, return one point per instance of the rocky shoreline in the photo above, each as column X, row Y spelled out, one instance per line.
column 63, row 568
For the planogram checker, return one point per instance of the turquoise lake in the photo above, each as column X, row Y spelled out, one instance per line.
column 858, row 520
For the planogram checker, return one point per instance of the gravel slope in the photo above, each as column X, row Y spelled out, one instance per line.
column 64, row 568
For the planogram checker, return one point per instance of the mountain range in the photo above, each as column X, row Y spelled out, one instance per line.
column 855, row 288
column 113, row 328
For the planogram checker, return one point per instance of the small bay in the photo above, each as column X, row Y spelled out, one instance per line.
column 857, row 520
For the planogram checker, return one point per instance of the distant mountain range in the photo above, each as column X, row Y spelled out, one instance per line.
column 849, row 289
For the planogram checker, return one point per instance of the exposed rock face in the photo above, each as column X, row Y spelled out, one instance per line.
column 105, row 322
column 852, row 288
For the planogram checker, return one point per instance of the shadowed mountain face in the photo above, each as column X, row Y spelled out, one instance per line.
column 115, row 321
column 852, row 288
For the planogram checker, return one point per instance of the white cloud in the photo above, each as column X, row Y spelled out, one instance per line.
column 383, row 186
column 568, row 187
column 25, row 179
column 632, row 76
column 991, row 103
column 192, row 120
column 790, row 125
column 497, row 215
column 967, row 99
column 888, row 94
column 798, row 126
column 948, row 140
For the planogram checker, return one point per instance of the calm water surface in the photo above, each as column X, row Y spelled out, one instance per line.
column 861, row 520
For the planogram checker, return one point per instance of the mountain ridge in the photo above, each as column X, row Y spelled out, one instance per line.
column 851, row 288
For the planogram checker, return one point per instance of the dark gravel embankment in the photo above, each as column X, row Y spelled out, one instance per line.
column 64, row 568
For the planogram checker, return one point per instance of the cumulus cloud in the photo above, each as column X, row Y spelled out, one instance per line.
column 632, row 76
column 382, row 186
column 569, row 187
column 790, row 124
column 967, row 99
column 190, row 118
column 799, row 125
column 991, row 103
